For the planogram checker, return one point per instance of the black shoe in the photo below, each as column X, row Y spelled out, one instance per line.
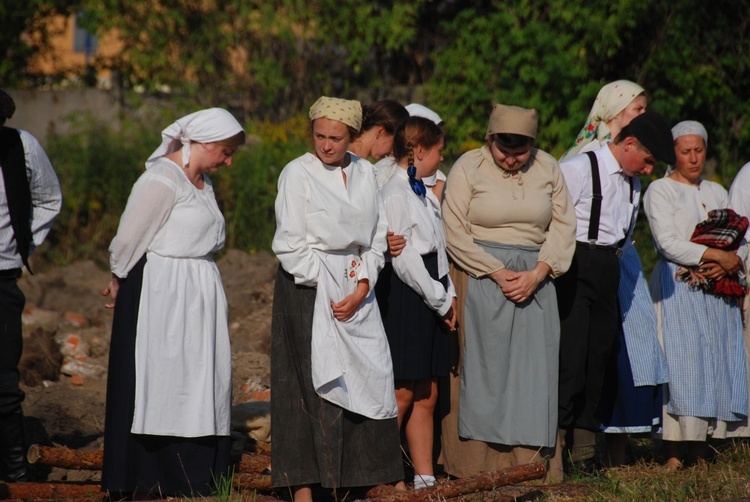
column 586, row 467
column 13, row 448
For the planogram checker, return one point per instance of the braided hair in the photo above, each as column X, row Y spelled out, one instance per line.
column 412, row 133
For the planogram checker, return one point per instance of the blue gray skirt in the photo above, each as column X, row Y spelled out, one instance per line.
column 510, row 358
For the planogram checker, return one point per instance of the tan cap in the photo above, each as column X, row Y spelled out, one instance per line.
column 512, row 120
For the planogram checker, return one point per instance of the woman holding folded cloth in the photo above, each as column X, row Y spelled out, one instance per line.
column 697, row 294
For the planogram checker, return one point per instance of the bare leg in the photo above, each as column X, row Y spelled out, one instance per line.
column 419, row 433
column 302, row 493
column 672, row 451
column 404, row 399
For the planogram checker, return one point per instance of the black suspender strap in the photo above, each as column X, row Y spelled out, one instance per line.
column 17, row 191
column 630, row 223
column 596, row 198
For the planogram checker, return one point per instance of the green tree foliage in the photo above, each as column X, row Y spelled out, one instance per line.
column 691, row 56
column 24, row 32
column 278, row 56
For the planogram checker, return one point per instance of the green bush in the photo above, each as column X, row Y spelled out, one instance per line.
column 97, row 165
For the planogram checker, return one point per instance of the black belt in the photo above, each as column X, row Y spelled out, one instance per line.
column 12, row 273
column 616, row 250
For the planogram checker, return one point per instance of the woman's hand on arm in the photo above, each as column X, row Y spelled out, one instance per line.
column 111, row 291
column 346, row 308
column 396, row 243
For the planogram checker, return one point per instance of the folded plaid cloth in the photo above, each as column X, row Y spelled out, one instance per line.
column 723, row 229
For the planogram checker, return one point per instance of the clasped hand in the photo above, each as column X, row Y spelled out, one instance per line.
column 520, row 286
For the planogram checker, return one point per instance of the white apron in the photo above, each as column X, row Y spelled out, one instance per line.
column 351, row 361
column 182, row 387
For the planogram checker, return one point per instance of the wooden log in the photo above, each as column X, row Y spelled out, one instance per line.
column 48, row 491
column 253, row 464
column 252, row 481
column 65, row 458
column 472, row 484
column 92, row 459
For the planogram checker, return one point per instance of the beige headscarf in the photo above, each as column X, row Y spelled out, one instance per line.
column 611, row 100
column 512, row 120
column 346, row 111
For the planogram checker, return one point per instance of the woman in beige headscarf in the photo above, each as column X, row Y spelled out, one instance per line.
column 334, row 411
column 510, row 229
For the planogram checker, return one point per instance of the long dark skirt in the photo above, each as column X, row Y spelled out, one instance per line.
column 138, row 463
column 315, row 441
column 418, row 343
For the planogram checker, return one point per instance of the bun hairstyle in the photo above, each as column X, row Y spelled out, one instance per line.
column 387, row 113
column 414, row 132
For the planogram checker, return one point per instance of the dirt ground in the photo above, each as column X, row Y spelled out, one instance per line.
column 65, row 394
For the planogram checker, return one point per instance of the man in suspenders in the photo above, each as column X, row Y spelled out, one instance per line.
column 29, row 202
column 605, row 190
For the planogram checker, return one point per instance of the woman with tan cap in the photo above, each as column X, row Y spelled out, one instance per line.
column 334, row 411
column 510, row 230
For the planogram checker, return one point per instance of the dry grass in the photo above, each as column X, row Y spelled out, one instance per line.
column 724, row 477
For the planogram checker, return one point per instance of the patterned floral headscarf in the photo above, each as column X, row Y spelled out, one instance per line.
column 611, row 100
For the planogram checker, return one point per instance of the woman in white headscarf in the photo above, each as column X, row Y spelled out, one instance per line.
column 701, row 330
column 334, row 410
column 169, row 385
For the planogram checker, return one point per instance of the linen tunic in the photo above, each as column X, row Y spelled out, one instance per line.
column 330, row 235
column 484, row 206
column 702, row 333
column 183, row 357
column 493, row 221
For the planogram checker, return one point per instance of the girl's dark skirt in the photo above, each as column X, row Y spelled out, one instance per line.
column 138, row 463
column 315, row 441
column 625, row 408
column 419, row 345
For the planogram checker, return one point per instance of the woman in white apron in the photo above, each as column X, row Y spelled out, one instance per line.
column 169, row 386
column 334, row 409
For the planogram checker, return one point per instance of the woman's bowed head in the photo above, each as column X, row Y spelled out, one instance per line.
column 511, row 134
column 199, row 143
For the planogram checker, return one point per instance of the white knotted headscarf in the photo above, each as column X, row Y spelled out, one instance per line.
column 204, row 126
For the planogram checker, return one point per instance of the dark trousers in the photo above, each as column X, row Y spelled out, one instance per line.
column 589, row 318
column 12, row 301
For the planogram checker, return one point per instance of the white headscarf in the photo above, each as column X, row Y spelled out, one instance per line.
column 205, row 126
column 417, row 110
column 611, row 100
column 685, row 128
